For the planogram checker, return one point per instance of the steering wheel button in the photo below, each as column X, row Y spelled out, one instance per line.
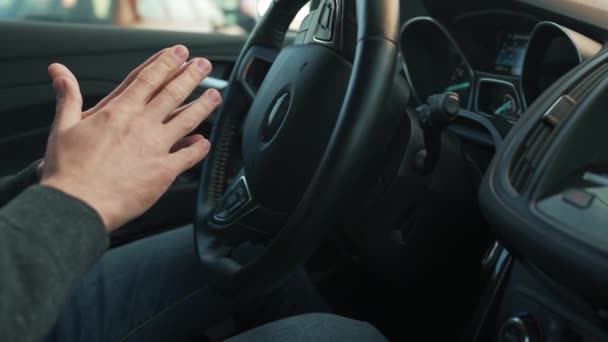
column 231, row 200
column 578, row 198
column 222, row 215
column 325, row 29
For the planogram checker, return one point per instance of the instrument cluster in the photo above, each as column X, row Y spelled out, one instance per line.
column 516, row 66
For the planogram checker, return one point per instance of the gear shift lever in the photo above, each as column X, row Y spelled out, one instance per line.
column 433, row 117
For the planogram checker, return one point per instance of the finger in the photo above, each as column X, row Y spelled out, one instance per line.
column 147, row 82
column 178, row 111
column 188, row 120
column 69, row 103
column 69, row 100
column 190, row 155
column 171, row 78
column 127, row 81
column 177, row 91
column 185, row 142
column 59, row 70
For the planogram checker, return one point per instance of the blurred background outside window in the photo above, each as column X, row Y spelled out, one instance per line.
column 205, row 16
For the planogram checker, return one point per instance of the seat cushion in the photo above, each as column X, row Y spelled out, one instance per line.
column 312, row 327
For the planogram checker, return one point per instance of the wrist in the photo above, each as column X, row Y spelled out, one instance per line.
column 88, row 198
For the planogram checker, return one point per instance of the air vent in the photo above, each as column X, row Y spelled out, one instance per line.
column 530, row 155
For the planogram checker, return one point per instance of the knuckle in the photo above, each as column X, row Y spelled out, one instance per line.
column 166, row 62
column 147, row 79
column 132, row 75
column 174, row 92
column 125, row 103
column 193, row 73
column 205, row 106
column 106, row 113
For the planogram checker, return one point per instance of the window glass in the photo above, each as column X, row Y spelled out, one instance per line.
column 226, row 16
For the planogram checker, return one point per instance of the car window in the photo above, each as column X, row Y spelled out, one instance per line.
column 225, row 16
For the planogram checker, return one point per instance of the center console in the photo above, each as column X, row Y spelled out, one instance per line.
column 522, row 304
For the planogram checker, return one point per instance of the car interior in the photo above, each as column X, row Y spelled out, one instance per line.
column 435, row 166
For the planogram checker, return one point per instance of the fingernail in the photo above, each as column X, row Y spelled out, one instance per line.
column 206, row 144
column 203, row 65
column 181, row 52
column 214, row 96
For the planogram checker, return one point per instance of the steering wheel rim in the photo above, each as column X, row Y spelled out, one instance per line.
column 332, row 182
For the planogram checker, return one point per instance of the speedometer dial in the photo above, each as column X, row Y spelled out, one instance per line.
column 434, row 63
column 498, row 99
column 507, row 108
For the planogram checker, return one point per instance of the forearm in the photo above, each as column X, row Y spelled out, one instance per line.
column 48, row 240
column 11, row 186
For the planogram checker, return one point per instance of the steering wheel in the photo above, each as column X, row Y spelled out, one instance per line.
column 307, row 121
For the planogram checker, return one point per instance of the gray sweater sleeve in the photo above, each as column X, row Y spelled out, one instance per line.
column 11, row 186
column 48, row 241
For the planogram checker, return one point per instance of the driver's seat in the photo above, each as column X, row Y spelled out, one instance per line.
column 312, row 327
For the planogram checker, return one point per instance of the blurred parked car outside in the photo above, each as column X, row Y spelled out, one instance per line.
column 204, row 16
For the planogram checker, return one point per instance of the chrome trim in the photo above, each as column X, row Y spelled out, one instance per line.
column 497, row 81
column 595, row 178
column 553, row 106
column 515, row 323
column 338, row 19
column 498, row 273
column 244, row 179
column 491, row 257
column 547, row 116
column 243, row 210
column 450, row 38
column 215, row 83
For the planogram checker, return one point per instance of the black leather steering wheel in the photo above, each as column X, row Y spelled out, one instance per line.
column 307, row 135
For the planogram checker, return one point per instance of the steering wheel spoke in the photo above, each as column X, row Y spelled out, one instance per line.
column 239, row 208
column 332, row 25
column 254, row 67
column 236, row 202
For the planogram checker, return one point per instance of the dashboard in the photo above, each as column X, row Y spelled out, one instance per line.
column 540, row 86
column 497, row 63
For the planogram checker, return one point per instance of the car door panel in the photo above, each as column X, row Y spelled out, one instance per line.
column 101, row 57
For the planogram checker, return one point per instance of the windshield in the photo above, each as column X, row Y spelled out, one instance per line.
column 225, row 16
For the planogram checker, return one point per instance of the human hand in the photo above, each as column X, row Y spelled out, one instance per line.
column 122, row 155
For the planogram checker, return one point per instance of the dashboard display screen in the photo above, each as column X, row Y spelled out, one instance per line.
column 510, row 59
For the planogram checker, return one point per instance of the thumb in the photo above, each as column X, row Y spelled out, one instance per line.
column 69, row 99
